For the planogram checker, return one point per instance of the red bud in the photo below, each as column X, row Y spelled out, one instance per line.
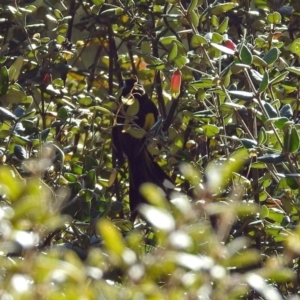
column 230, row 44
column 175, row 84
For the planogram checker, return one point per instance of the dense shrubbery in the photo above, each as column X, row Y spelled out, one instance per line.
column 230, row 142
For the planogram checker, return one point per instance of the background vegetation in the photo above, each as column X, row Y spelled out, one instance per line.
column 230, row 142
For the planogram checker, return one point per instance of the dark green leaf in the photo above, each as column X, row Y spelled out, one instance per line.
column 271, row 158
column 246, row 55
column 116, row 206
column 44, row 134
column 20, row 152
column 286, row 111
column 257, row 77
column 247, row 143
column 265, row 83
column 63, row 113
column 271, row 56
column 90, row 163
column 292, row 183
column 272, row 112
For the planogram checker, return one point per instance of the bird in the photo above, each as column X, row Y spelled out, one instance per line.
column 140, row 117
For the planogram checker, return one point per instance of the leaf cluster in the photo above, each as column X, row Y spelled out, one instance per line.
column 230, row 140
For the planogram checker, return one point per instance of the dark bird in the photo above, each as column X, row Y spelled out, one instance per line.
column 130, row 139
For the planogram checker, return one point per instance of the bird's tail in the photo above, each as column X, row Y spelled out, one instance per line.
column 143, row 169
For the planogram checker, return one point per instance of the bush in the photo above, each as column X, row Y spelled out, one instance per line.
column 230, row 140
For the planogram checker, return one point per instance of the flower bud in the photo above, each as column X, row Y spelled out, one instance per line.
column 230, row 44
column 175, row 84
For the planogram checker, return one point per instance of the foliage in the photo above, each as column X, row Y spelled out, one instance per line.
column 229, row 138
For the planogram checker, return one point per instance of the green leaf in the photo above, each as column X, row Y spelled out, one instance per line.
column 63, row 113
column 136, row 132
column 258, row 165
column 291, row 139
column 292, row 183
column 262, row 136
column 278, row 122
column 112, row 238
column 243, row 95
column 264, row 83
column 7, row 115
column 167, row 40
column 230, row 106
column 198, row 40
column 279, row 78
column 14, row 70
column 181, row 61
column 85, row 100
column 223, row 26
column 257, row 77
column 101, row 109
column 70, row 177
column 246, row 55
column 271, row 56
column 294, row 70
column 286, row 111
column 4, row 79
column 217, row 38
column 58, row 14
column 116, row 206
column 193, row 4
column 194, row 18
column 205, row 82
column 86, row 194
column 272, row 113
column 222, row 7
column 274, row 18
column 158, row 65
column 21, row 140
column 173, row 53
column 295, row 47
column 271, row 158
column 264, row 212
column 210, row 130
column 247, row 143
column 259, row 62
column 90, row 163
column 214, row 21
column 98, row 2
